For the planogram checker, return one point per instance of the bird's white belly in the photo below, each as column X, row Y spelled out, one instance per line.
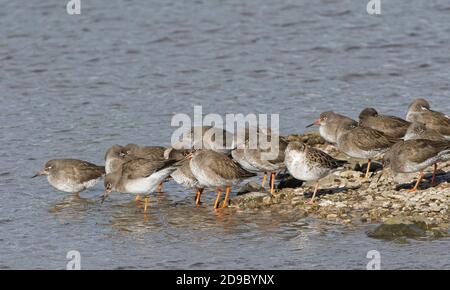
column 108, row 165
column 68, row 185
column 329, row 137
column 300, row 169
column 147, row 184
column 411, row 116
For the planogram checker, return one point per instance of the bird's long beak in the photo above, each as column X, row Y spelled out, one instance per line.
column 40, row 173
column 316, row 122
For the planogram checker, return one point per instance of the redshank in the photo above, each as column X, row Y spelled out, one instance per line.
column 330, row 122
column 138, row 176
column 147, row 152
column 310, row 164
column 213, row 169
column 72, row 175
column 389, row 125
column 245, row 156
column 416, row 155
column 364, row 143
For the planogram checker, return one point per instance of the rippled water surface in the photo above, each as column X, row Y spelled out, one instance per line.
column 71, row 86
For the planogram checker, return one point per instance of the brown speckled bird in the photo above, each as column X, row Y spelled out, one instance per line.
column 310, row 164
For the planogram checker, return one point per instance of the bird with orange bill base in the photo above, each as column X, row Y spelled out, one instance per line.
column 330, row 123
column 415, row 156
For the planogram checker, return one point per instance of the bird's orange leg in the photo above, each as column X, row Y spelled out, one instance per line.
column 160, row 188
column 417, row 183
column 264, row 180
column 227, row 193
column 272, row 183
column 197, row 198
column 146, row 200
column 316, row 188
column 219, row 193
column 368, row 168
column 433, row 179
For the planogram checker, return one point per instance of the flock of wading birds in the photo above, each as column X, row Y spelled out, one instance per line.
column 407, row 146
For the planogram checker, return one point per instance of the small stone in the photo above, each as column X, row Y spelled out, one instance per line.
column 326, row 203
column 297, row 200
column 267, row 200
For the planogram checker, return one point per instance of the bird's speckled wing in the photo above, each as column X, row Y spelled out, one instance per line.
column 316, row 156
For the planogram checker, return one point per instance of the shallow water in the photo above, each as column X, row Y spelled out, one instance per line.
column 71, row 86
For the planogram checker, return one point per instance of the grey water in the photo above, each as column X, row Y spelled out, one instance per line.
column 73, row 85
